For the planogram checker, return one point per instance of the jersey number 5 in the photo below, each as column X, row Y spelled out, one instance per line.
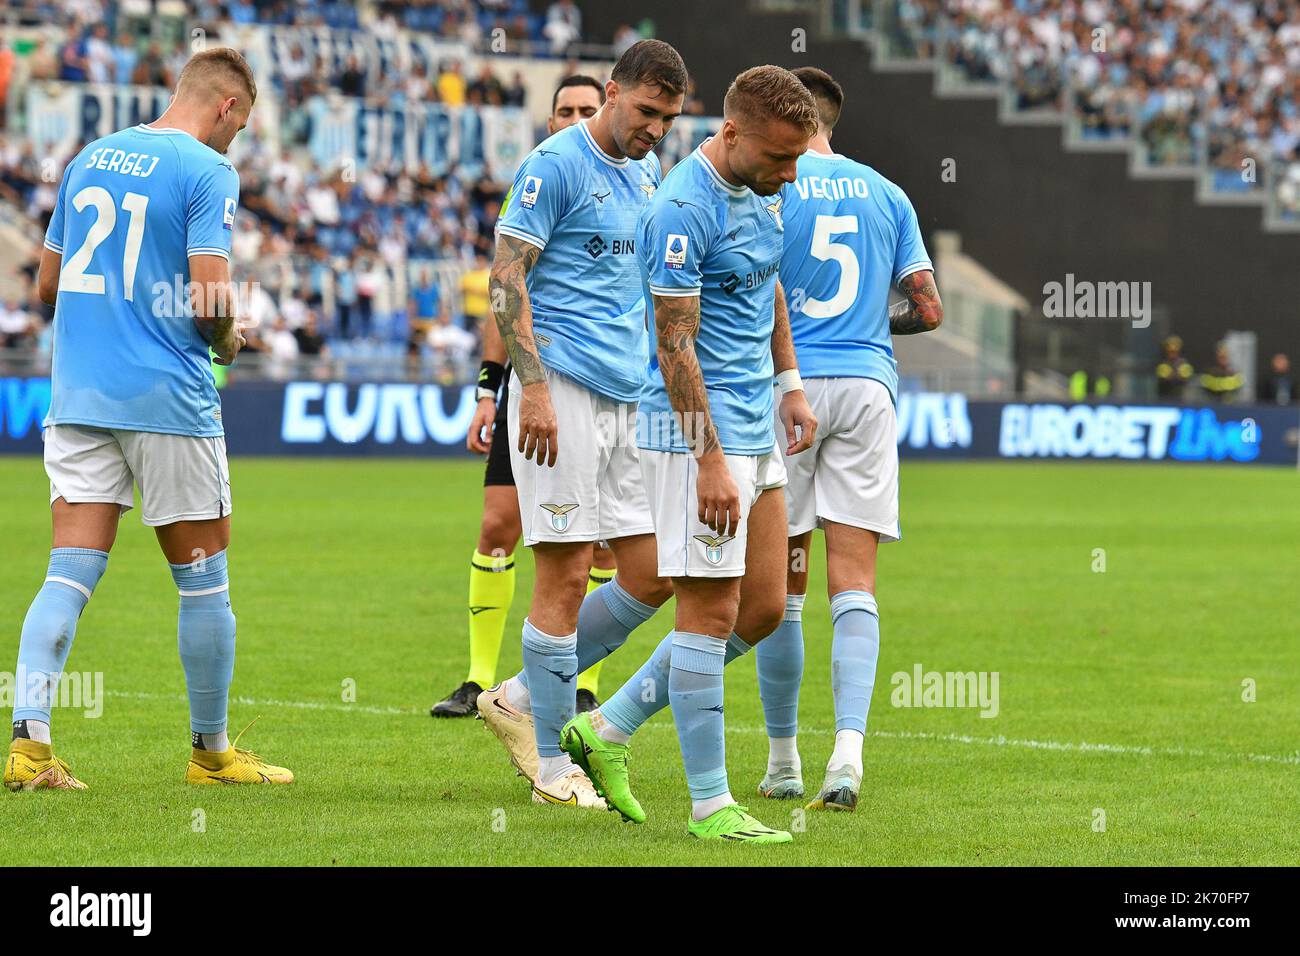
column 73, row 277
column 825, row 229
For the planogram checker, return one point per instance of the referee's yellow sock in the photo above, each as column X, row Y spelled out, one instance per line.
column 491, row 589
column 590, row 678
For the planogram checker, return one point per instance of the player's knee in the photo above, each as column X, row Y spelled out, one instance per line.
column 499, row 533
column 648, row 589
column 759, row 618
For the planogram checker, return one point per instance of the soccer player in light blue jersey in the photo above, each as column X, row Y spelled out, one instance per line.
column 567, row 295
column 711, row 243
column 136, row 264
column 850, row 236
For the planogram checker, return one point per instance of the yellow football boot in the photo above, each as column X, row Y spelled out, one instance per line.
column 233, row 766
column 33, row 766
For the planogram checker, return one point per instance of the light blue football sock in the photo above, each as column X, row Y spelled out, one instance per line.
column 605, row 619
column 695, row 693
column 854, row 649
column 779, row 660
column 206, row 636
column 50, row 626
column 551, row 664
column 646, row 691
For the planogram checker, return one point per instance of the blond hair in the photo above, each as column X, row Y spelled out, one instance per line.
column 771, row 92
column 221, row 70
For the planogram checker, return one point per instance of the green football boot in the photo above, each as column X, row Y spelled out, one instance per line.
column 733, row 822
column 604, row 763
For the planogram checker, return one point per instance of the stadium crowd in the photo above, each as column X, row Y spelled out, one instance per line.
column 1221, row 76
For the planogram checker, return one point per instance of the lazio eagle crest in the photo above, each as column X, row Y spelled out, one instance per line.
column 649, row 190
column 713, row 546
column 774, row 210
column 560, row 516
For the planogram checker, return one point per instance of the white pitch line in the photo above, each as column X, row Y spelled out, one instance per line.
column 1127, row 750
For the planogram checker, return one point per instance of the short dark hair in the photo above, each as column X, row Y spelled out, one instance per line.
column 578, row 79
column 654, row 63
column 827, row 94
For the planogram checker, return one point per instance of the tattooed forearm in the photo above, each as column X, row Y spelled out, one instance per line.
column 921, row 310
column 677, row 323
column 508, row 289
column 783, row 357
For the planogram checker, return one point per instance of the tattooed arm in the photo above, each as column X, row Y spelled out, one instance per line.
column 921, row 310
column 508, row 289
column 677, row 323
column 795, row 411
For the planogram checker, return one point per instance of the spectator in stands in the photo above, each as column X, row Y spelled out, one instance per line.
column 281, row 349
column 345, row 297
column 1222, row 382
column 310, row 341
column 425, row 305
column 563, row 25
column 624, row 37
column 351, row 81
column 1174, row 372
column 152, row 69
column 367, row 289
column 99, row 55
column 125, row 57
column 1278, row 386
column 474, row 291
column 44, row 61
column 516, row 92
column 451, row 84
column 452, row 346
column 73, row 65
column 6, row 75
column 17, row 326
column 486, row 88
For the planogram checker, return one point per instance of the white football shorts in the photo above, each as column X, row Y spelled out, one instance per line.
column 181, row 477
column 850, row 474
column 595, row 491
column 687, row 547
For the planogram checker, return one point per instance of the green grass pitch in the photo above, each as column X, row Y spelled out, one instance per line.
column 1121, row 692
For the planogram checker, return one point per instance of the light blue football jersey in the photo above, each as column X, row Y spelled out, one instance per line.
column 702, row 236
column 580, row 207
column 850, row 235
column 132, row 208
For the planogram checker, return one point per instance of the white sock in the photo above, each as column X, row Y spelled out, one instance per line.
column 517, row 695
column 782, row 752
column 607, row 731
column 551, row 769
column 700, row 809
column 216, row 743
column 39, row 731
column 848, row 750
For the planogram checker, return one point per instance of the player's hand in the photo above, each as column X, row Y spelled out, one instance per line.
column 226, row 350
column 479, row 437
column 719, row 498
column 538, row 429
column 795, row 411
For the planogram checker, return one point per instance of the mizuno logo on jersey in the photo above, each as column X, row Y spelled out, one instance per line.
column 675, row 251
column 532, row 186
column 559, row 515
column 600, row 198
